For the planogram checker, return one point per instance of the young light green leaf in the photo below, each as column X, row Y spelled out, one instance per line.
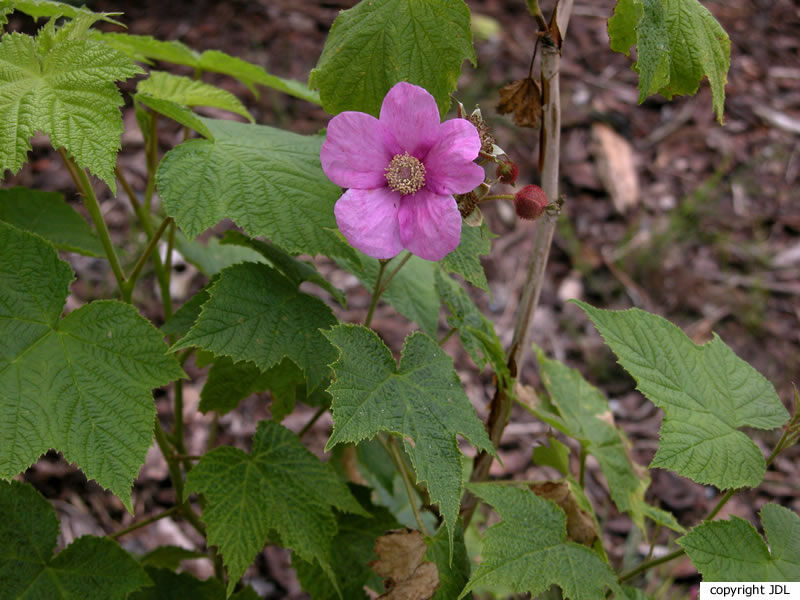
column 45, row 8
column 296, row 270
column 679, row 42
column 255, row 314
column 176, row 112
column 420, row 400
column 412, row 291
column 528, row 551
column 354, row 544
column 190, row 92
column 279, row 487
column 144, row 48
column 588, row 418
column 733, row 551
column 555, row 455
column 87, row 376
column 466, row 258
column 90, row 568
column 476, row 332
column 376, row 44
column 707, row 393
column 48, row 215
column 267, row 180
column 67, row 93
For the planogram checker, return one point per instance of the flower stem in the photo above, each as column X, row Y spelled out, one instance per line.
column 490, row 197
column 376, row 293
column 649, row 564
column 145, row 522
column 390, row 276
column 500, row 407
column 93, row 206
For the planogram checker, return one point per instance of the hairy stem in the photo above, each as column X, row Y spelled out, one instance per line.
column 93, row 206
column 500, row 407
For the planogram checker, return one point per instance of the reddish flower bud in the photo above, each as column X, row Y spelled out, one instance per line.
column 530, row 202
column 507, row 172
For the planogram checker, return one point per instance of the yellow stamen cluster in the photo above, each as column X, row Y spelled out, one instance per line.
column 405, row 174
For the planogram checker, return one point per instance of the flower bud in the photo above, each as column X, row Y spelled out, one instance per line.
column 507, row 172
column 530, row 202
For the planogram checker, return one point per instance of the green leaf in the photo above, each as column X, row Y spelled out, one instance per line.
column 420, row 400
column 90, row 568
column 182, row 319
column 707, row 393
column 296, row 270
column 48, row 215
column 679, row 42
column 229, row 383
column 555, row 455
column 378, row 43
column 143, row 48
column 189, row 92
column 733, row 551
column 213, row 256
column 45, row 8
column 529, row 551
column 254, row 313
column 453, row 574
column 280, row 487
column 174, row 111
column 354, row 544
column 476, row 332
column 171, row 586
column 169, row 557
column 588, row 418
column 67, row 93
column 80, row 384
column 466, row 258
column 412, row 291
column 268, row 181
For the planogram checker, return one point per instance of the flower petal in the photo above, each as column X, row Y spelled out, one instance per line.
column 430, row 224
column 448, row 167
column 356, row 151
column 368, row 219
column 410, row 114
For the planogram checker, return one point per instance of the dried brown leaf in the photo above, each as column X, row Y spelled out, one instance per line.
column 523, row 98
column 400, row 553
column 581, row 527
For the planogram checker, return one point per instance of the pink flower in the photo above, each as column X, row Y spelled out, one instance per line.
column 402, row 171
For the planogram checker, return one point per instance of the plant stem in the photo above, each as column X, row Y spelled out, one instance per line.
column 650, row 563
column 390, row 276
column 582, row 472
column 490, row 197
column 172, row 463
column 500, row 407
column 177, row 433
column 447, row 336
column 376, row 293
column 145, row 522
column 307, row 427
column 93, row 206
column 390, row 445
column 127, row 289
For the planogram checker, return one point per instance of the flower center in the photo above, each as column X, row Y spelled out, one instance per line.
column 405, row 174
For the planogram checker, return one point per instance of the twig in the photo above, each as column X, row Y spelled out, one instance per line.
column 500, row 408
column 145, row 522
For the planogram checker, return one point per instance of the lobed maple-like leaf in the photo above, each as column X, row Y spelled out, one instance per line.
column 64, row 88
column 279, row 487
column 707, row 393
column 81, row 384
column 376, row 44
column 90, row 568
column 678, row 43
column 256, row 314
column 733, row 551
column 529, row 551
column 47, row 214
column 420, row 400
column 268, row 181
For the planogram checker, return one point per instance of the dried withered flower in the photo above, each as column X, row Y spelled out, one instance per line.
column 524, row 98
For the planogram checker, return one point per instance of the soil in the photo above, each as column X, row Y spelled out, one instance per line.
column 665, row 209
